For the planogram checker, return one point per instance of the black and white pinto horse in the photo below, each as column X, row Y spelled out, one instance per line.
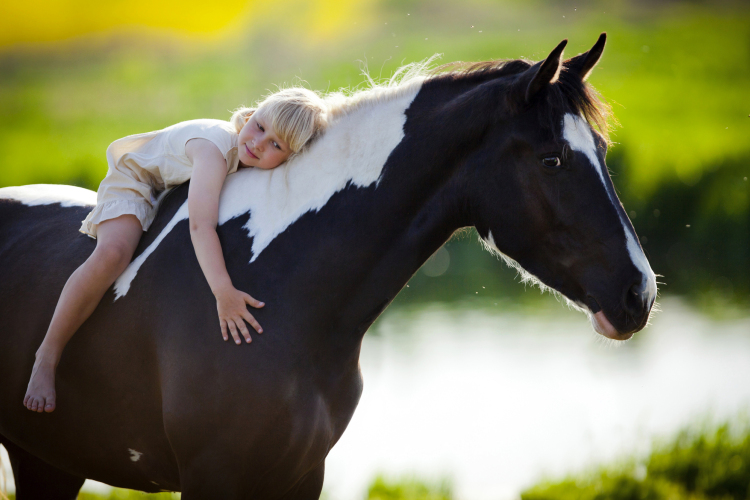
column 151, row 398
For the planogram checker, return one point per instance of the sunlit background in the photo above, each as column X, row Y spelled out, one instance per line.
column 474, row 387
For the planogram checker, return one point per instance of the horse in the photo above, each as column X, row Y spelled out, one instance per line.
column 149, row 396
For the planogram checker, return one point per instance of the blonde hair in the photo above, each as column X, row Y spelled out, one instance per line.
column 297, row 115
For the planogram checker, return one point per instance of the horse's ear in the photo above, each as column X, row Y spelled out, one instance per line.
column 582, row 64
column 544, row 73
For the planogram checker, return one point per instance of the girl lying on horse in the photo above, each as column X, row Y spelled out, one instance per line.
column 142, row 165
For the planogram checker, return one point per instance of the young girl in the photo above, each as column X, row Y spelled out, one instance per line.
column 205, row 151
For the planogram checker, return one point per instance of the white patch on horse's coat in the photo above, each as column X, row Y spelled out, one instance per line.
column 122, row 284
column 577, row 132
column 47, row 194
column 135, row 455
column 353, row 150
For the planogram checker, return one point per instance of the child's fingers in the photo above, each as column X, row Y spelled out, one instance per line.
column 223, row 325
column 233, row 329
column 243, row 329
column 252, row 321
column 251, row 301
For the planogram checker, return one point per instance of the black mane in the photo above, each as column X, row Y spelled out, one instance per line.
column 569, row 94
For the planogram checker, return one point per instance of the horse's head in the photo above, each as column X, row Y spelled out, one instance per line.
column 541, row 194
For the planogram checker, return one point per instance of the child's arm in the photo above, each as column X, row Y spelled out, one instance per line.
column 209, row 172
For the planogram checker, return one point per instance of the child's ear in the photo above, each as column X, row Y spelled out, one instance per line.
column 249, row 114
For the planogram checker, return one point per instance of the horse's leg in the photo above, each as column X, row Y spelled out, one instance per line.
column 37, row 480
column 309, row 487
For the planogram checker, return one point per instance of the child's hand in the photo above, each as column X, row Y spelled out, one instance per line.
column 232, row 306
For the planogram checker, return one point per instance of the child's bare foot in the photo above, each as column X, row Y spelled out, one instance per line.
column 40, row 394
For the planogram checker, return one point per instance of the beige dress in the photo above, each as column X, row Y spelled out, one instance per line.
column 143, row 165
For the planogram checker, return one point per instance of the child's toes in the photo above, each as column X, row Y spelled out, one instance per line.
column 49, row 404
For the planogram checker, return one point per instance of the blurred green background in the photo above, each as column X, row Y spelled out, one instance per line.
column 77, row 74
column 677, row 73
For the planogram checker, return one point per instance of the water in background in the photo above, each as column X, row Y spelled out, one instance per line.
column 497, row 397
column 496, row 400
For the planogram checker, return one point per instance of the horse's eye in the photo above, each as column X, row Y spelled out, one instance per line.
column 552, row 162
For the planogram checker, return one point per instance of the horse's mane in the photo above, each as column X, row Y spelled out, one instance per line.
column 568, row 94
column 405, row 80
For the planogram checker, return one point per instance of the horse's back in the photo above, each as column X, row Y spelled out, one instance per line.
column 39, row 225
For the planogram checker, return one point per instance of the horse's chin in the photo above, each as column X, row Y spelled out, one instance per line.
column 603, row 327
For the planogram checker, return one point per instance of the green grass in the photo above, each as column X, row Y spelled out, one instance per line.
column 698, row 464
column 408, row 488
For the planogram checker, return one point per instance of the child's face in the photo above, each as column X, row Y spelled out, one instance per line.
column 259, row 146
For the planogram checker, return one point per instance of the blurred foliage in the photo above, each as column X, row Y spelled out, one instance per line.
column 698, row 464
column 121, row 494
column 19, row 23
column 217, row 21
column 408, row 489
column 698, row 236
column 677, row 73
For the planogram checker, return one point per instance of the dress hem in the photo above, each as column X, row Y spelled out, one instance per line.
column 115, row 208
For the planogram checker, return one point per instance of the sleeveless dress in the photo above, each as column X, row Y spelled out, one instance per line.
column 142, row 166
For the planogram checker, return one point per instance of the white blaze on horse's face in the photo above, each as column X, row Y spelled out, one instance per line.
column 577, row 133
column 353, row 150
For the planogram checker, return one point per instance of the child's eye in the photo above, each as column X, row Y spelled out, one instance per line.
column 277, row 146
column 260, row 127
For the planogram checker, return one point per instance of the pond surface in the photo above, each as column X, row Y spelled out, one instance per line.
column 496, row 398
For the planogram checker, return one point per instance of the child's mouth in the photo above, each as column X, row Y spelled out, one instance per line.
column 250, row 152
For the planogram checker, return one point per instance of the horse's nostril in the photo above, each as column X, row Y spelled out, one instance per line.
column 633, row 300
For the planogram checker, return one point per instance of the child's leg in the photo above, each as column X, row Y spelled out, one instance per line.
column 116, row 241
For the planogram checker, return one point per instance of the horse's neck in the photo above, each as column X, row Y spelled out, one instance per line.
column 371, row 242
